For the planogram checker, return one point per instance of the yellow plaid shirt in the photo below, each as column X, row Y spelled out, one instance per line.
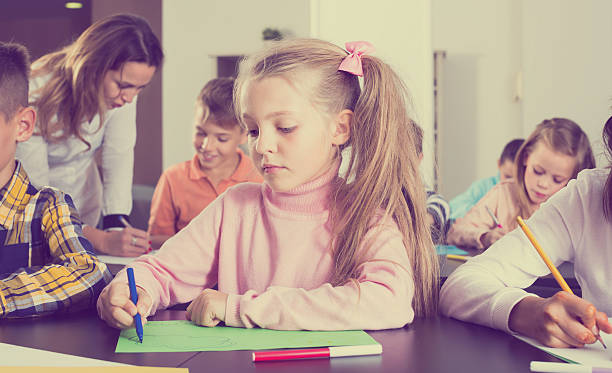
column 46, row 265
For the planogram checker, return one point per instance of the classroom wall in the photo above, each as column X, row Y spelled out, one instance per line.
column 401, row 34
column 404, row 42
column 480, row 114
column 23, row 21
column 194, row 32
column 567, row 54
column 509, row 65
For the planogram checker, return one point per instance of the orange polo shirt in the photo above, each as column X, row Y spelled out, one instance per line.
column 184, row 190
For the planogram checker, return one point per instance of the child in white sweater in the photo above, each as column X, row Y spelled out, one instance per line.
column 574, row 225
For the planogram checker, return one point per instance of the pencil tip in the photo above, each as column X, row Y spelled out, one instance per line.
column 602, row 342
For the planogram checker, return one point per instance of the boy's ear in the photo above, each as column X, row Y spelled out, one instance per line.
column 499, row 163
column 342, row 127
column 26, row 119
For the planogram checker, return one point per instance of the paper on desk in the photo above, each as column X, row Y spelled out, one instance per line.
column 449, row 249
column 13, row 358
column 593, row 354
column 182, row 335
column 13, row 355
column 111, row 259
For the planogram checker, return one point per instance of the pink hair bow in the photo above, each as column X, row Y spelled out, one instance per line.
column 352, row 62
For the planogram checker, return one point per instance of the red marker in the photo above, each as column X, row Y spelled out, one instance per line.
column 493, row 216
column 313, row 353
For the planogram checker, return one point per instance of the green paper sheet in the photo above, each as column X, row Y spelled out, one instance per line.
column 182, row 335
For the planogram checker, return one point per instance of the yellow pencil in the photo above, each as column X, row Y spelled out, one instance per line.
column 553, row 269
column 457, row 257
column 555, row 272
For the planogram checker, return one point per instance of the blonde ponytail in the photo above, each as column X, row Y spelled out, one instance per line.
column 386, row 175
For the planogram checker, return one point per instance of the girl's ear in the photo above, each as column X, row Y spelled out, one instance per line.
column 25, row 121
column 342, row 127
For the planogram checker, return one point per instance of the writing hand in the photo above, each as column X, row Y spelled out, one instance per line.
column 116, row 308
column 563, row 320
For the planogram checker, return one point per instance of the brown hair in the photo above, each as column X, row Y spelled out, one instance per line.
column 607, row 193
column 217, row 101
column 383, row 157
column 510, row 150
column 14, row 72
column 418, row 138
column 74, row 92
column 560, row 135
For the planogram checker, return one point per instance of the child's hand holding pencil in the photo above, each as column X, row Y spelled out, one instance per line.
column 497, row 232
column 115, row 305
column 563, row 320
column 490, row 237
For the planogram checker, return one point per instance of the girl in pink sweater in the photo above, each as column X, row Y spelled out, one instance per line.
column 306, row 249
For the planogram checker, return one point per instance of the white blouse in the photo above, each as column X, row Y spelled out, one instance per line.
column 69, row 166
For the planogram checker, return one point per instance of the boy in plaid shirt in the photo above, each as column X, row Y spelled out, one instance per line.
column 45, row 261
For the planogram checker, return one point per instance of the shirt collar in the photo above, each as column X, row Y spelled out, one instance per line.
column 194, row 172
column 12, row 194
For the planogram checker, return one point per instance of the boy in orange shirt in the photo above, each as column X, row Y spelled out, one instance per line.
column 185, row 189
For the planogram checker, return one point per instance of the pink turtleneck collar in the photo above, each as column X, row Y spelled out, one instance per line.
column 310, row 197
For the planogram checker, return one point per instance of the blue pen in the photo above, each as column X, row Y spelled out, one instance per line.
column 134, row 296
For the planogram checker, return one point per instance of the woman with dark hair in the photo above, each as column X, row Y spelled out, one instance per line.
column 85, row 96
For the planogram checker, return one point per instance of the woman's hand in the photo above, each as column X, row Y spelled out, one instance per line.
column 116, row 308
column 124, row 242
column 491, row 237
column 208, row 309
column 563, row 320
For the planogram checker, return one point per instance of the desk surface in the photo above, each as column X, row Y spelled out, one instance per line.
column 433, row 345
